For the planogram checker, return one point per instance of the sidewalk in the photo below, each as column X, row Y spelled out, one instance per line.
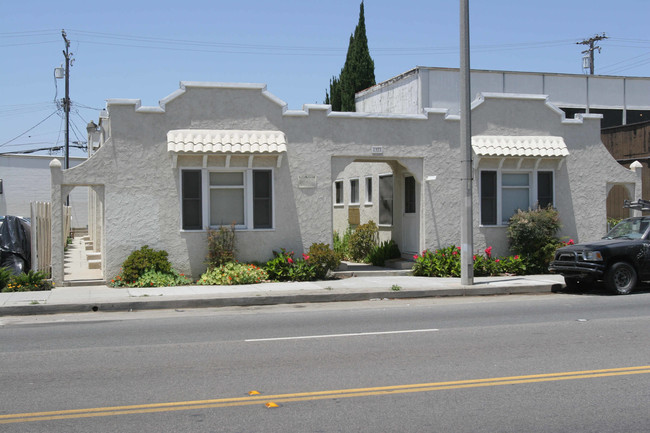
column 103, row 298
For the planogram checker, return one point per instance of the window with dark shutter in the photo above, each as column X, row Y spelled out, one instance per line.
column 262, row 199
column 545, row 188
column 488, row 197
column 191, row 192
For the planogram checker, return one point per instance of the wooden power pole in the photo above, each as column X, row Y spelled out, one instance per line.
column 590, row 51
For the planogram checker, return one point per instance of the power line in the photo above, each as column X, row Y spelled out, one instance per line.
column 20, row 135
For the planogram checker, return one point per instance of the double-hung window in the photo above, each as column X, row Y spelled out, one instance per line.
column 503, row 193
column 354, row 191
column 224, row 197
column 338, row 192
column 368, row 190
column 386, row 199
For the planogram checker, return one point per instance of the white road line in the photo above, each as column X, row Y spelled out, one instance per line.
column 355, row 334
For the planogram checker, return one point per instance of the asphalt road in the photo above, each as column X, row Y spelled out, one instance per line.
column 543, row 363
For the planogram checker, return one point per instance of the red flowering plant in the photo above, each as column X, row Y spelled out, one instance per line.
column 284, row 267
column 446, row 263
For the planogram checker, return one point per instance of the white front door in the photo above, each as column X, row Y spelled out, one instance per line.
column 410, row 217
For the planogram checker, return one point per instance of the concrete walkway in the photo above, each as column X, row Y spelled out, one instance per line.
column 103, row 298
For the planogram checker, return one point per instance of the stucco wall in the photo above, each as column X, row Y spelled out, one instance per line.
column 141, row 185
column 400, row 95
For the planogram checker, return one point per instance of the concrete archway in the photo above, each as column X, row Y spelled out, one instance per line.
column 385, row 190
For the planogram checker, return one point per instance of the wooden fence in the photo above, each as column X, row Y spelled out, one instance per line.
column 41, row 234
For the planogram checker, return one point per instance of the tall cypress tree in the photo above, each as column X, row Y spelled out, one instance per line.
column 358, row 72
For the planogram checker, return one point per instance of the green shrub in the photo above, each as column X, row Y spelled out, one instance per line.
column 143, row 260
column 385, row 251
column 341, row 244
column 323, row 258
column 362, row 241
column 152, row 278
column 5, row 276
column 283, row 267
column 233, row 273
column 532, row 235
column 28, row 282
column 221, row 246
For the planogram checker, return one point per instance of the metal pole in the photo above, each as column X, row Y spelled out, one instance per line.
column 467, row 223
column 66, row 101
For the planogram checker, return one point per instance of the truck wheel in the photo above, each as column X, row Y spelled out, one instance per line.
column 572, row 283
column 621, row 278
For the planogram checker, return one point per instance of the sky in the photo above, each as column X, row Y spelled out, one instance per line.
column 144, row 49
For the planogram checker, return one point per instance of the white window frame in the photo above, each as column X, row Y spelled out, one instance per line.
column 358, row 194
column 368, row 190
column 532, row 190
column 247, row 183
column 248, row 196
column 342, row 201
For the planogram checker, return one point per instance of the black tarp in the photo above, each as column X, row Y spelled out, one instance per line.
column 15, row 245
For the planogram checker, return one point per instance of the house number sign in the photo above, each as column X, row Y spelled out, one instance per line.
column 307, row 181
column 377, row 150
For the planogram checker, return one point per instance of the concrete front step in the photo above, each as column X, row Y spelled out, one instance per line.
column 95, row 264
column 80, row 283
column 372, row 273
column 93, row 256
column 391, row 268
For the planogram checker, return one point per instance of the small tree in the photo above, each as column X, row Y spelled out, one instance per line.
column 221, row 246
column 363, row 240
column 532, row 235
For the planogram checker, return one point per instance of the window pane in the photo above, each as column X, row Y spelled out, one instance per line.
column 545, row 188
column 386, row 200
column 191, row 213
column 514, row 179
column 226, row 207
column 513, row 199
column 488, row 197
column 354, row 191
column 227, row 178
column 369, row 190
column 338, row 185
column 409, row 194
column 262, row 199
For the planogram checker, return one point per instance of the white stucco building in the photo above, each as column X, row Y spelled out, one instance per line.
column 26, row 179
column 621, row 100
column 215, row 153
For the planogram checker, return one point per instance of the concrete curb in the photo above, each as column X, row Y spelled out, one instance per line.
column 151, row 303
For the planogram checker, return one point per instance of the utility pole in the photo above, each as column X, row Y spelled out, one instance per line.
column 66, row 100
column 590, row 51
column 466, row 218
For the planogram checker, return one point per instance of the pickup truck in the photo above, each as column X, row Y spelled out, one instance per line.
column 621, row 259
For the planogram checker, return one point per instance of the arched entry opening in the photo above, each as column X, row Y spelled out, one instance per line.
column 387, row 191
column 83, row 260
column 615, row 199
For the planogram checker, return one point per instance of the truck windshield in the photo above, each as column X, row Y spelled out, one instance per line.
column 633, row 228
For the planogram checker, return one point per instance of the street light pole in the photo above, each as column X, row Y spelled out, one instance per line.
column 467, row 223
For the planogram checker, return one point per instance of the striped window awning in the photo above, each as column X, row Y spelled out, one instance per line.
column 519, row 146
column 225, row 141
